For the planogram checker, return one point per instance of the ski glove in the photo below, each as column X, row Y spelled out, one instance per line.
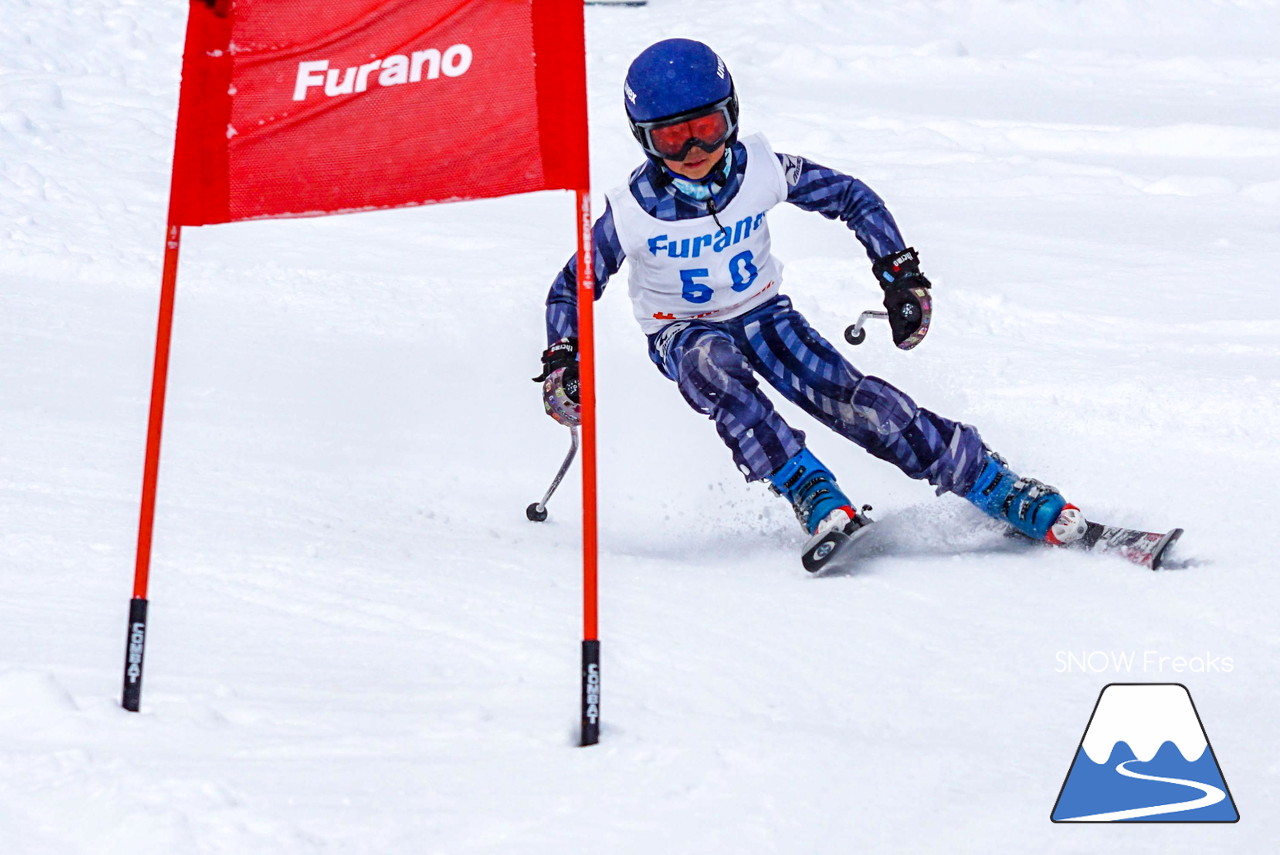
column 906, row 296
column 559, row 379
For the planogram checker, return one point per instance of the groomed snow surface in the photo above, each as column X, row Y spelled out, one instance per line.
column 359, row 644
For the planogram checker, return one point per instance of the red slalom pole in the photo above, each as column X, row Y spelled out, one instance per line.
column 587, row 398
column 136, row 637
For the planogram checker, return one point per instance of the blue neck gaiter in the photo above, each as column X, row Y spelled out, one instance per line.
column 704, row 188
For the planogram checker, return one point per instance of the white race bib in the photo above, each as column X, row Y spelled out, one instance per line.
column 693, row 269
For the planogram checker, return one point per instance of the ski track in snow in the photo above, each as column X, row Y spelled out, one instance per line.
column 357, row 642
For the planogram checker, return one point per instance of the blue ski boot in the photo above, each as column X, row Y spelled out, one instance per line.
column 1034, row 509
column 819, row 503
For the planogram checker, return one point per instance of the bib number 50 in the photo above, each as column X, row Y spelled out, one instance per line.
column 742, row 270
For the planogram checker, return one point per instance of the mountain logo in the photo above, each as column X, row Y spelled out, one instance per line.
column 1145, row 757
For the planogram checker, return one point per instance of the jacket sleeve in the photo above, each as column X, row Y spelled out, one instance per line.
column 837, row 196
column 562, row 300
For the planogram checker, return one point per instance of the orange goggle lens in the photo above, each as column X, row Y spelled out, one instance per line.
column 706, row 132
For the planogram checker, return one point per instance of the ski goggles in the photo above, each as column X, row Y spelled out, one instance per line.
column 674, row 137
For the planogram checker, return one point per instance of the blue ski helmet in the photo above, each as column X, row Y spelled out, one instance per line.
column 674, row 80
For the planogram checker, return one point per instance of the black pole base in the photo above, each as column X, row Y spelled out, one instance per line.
column 134, row 646
column 590, row 693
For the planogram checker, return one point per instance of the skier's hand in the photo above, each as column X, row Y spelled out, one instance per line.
column 906, row 296
column 559, row 379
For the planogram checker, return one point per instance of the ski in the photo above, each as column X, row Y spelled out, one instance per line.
column 837, row 549
column 1144, row 548
column 834, row 548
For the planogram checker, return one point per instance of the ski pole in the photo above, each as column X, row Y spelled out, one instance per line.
column 854, row 333
column 537, row 512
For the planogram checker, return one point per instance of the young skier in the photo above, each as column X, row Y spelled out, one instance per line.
column 706, row 291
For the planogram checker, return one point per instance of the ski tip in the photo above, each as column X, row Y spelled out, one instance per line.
column 1165, row 544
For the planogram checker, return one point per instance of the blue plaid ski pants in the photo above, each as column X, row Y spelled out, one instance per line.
column 716, row 363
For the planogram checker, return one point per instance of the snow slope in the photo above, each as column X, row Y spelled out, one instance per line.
column 358, row 644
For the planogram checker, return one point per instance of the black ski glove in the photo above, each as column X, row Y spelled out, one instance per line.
column 906, row 296
column 559, row 379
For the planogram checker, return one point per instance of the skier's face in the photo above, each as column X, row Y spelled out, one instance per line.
column 697, row 164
